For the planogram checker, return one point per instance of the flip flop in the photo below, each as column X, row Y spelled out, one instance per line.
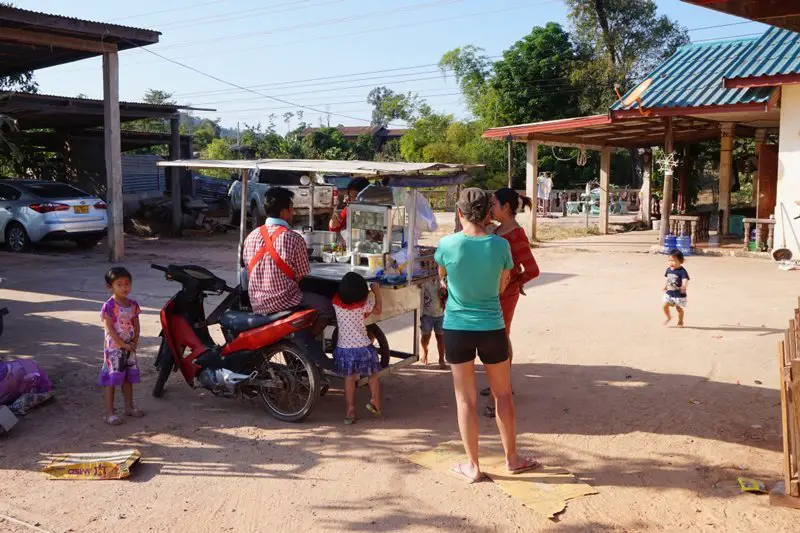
column 527, row 465
column 374, row 410
column 349, row 421
column 489, row 411
column 486, row 392
column 135, row 413
column 461, row 472
column 113, row 420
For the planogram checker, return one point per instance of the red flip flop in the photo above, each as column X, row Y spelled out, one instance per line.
column 526, row 466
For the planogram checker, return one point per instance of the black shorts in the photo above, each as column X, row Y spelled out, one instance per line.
column 461, row 346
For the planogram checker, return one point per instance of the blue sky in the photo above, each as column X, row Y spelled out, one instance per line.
column 286, row 46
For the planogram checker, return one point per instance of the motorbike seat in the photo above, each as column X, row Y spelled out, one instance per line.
column 238, row 321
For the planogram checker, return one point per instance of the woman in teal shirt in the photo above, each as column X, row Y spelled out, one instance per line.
column 475, row 268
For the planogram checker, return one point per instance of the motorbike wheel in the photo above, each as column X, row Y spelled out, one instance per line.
column 164, row 364
column 299, row 376
column 384, row 353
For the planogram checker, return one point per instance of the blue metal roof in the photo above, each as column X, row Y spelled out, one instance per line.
column 693, row 77
column 775, row 53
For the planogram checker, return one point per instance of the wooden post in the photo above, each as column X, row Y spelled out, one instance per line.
column 605, row 180
column 647, row 172
column 510, row 162
column 113, row 153
column 175, row 176
column 531, row 172
column 725, row 171
column 666, row 201
column 761, row 136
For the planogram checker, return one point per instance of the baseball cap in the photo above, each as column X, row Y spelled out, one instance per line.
column 473, row 204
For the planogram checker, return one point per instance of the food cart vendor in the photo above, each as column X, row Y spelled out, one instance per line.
column 339, row 221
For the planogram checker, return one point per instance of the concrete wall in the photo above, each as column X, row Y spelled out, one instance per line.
column 789, row 171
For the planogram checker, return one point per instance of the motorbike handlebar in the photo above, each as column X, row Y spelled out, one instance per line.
column 159, row 267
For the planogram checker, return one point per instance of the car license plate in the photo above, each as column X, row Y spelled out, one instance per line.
column 82, row 209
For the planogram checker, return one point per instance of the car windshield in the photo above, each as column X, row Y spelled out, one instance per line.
column 55, row 190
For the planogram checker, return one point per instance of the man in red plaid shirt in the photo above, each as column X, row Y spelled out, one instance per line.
column 275, row 271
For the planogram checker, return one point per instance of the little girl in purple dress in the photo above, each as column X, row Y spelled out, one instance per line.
column 355, row 354
column 121, row 321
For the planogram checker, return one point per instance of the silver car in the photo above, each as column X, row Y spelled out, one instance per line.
column 40, row 211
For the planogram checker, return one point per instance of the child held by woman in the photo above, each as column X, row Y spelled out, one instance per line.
column 120, row 317
column 355, row 355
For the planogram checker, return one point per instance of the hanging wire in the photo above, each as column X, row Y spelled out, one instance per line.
column 553, row 149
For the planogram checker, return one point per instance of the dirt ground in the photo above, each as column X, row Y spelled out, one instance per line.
column 661, row 421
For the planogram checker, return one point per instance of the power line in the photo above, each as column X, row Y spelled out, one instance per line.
column 215, row 78
column 248, row 13
column 328, row 22
column 171, row 10
column 318, row 91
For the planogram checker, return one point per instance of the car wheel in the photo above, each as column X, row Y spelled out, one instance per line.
column 87, row 243
column 17, row 238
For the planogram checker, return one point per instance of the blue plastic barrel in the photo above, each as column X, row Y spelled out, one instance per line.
column 684, row 243
column 670, row 243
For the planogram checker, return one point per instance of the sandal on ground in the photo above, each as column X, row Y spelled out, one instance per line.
column 442, row 365
column 486, row 392
column 135, row 413
column 372, row 409
column 527, row 465
column 461, row 471
column 349, row 420
column 489, row 411
column 113, row 420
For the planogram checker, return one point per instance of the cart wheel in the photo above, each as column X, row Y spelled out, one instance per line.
column 384, row 353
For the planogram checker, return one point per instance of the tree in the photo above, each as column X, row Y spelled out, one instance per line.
column 24, row 81
column 326, row 143
column 205, row 132
column 531, row 81
column 389, row 106
column 619, row 41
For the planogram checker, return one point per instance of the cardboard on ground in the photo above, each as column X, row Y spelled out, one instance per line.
column 100, row 465
column 545, row 490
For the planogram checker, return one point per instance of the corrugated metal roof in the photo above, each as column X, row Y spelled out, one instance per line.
column 775, row 53
column 693, row 77
column 11, row 11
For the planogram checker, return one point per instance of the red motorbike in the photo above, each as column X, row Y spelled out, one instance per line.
column 260, row 357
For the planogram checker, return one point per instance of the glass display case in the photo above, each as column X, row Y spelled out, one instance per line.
column 375, row 228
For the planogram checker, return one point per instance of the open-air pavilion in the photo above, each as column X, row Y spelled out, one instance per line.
column 682, row 101
column 31, row 40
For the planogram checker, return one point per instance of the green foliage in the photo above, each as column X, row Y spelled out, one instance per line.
column 389, row 106
column 618, row 41
column 326, row 143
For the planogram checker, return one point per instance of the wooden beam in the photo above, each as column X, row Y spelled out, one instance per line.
column 113, row 152
column 647, row 172
column 48, row 40
column 725, row 173
column 774, row 101
column 570, row 142
column 531, row 173
column 666, row 201
column 605, row 180
column 175, row 176
column 761, row 81
column 510, row 162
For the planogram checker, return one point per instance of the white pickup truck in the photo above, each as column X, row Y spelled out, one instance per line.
column 261, row 180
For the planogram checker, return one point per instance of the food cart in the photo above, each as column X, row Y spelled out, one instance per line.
column 396, row 225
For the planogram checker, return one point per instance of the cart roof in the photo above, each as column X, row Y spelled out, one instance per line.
column 363, row 168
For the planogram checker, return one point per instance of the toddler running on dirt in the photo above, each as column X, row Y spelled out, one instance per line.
column 675, row 287
column 120, row 317
column 355, row 355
